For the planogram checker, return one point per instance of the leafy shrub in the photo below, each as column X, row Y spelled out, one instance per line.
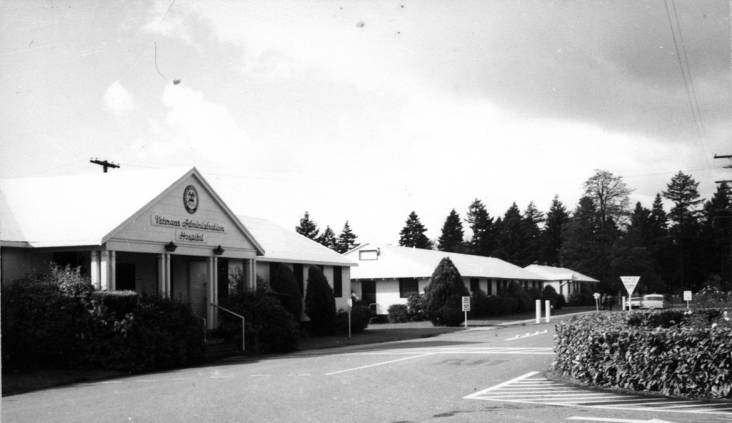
column 478, row 303
column 360, row 315
column 117, row 302
column 524, row 302
column 711, row 296
column 269, row 326
column 443, row 296
column 158, row 333
column 549, row 293
column 39, row 324
column 415, row 307
column 319, row 302
column 284, row 285
column 498, row 305
column 397, row 313
column 679, row 360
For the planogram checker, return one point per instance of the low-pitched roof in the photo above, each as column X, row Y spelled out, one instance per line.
column 405, row 262
column 559, row 273
column 86, row 209
column 284, row 245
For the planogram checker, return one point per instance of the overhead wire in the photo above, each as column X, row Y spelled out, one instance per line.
column 682, row 59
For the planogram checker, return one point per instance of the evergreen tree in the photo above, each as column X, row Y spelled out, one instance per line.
column 481, row 224
column 451, row 239
column 412, row 235
column 510, row 236
column 682, row 191
column 443, row 296
column 319, row 302
column 660, row 247
column 328, row 239
column 581, row 249
column 717, row 236
column 531, row 234
column 307, row 227
column 551, row 236
column 346, row 240
column 631, row 252
column 284, row 286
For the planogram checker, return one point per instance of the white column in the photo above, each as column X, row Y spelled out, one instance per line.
column 104, row 270
column 94, row 269
column 167, row 258
column 112, row 270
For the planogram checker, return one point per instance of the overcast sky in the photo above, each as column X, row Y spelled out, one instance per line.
column 366, row 110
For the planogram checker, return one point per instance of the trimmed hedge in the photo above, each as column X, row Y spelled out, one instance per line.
column 398, row 313
column 319, row 302
column 360, row 315
column 443, row 296
column 683, row 359
column 270, row 327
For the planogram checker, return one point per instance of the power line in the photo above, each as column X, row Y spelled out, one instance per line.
column 682, row 59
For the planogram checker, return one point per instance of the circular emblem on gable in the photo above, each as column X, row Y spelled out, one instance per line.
column 190, row 199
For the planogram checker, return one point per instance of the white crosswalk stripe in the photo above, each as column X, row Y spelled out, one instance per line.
column 532, row 388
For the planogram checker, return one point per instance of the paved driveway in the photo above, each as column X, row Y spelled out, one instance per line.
column 485, row 374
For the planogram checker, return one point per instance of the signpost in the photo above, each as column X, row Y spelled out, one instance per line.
column 630, row 282
column 687, row 298
column 466, row 309
column 597, row 301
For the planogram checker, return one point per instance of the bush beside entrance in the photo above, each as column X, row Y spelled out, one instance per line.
column 57, row 320
column 664, row 352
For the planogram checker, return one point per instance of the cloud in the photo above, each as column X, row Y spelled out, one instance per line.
column 118, row 99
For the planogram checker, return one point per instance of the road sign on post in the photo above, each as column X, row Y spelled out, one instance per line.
column 687, row 298
column 597, row 301
column 629, row 282
column 466, row 309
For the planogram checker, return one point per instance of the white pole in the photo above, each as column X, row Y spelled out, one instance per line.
column 538, row 311
column 548, row 306
column 466, row 320
column 597, row 305
column 622, row 303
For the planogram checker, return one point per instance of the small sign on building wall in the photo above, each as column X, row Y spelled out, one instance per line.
column 466, row 303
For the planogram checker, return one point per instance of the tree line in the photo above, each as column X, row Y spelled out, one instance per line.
column 342, row 243
column 685, row 248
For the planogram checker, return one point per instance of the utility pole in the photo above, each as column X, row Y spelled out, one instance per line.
column 724, row 156
column 104, row 164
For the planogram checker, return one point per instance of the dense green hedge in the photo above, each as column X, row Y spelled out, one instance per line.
column 270, row 327
column 56, row 320
column 398, row 313
column 686, row 358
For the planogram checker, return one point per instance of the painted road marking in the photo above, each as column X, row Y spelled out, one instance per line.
column 605, row 419
column 526, row 335
column 377, row 364
column 412, row 353
column 527, row 389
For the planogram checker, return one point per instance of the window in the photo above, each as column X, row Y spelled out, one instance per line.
column 407, row 287
column 474, row 284
column 368, row 255
column 337, row 281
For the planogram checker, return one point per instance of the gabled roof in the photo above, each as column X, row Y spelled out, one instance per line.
column 86, row 209
column 284, row 245
column 404, row 262
column 559, row 273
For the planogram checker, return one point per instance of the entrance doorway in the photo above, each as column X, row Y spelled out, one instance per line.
column 189, row 282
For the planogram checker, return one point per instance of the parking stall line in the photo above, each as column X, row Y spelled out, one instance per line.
column 529, row 389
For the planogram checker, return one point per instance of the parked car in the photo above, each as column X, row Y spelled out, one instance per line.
column 652, row 301
column 636, row 302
